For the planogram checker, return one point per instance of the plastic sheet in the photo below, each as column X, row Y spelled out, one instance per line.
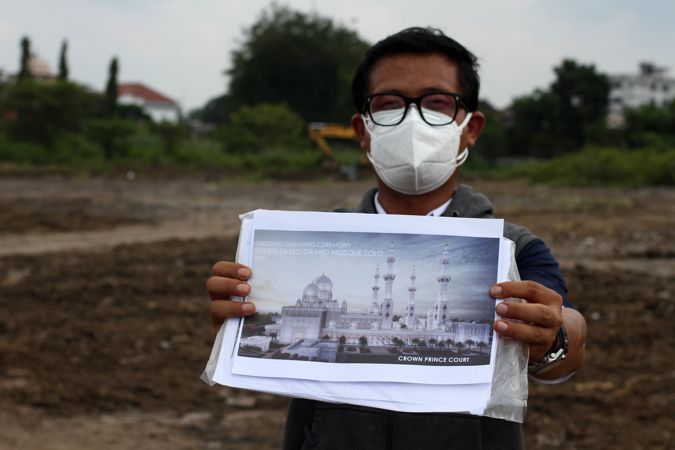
column 508, row 396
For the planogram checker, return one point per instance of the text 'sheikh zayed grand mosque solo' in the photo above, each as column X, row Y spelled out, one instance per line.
column 316, row 323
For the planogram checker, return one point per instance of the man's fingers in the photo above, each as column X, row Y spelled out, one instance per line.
column 229, row 269
column 534, row 313
column 529, row 334
column 531, row 291
column 221, row 288
column 224, row 309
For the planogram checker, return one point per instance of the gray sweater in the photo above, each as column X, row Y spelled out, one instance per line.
column 323, row 426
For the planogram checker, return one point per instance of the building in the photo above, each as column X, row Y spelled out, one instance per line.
column 650, row 86
column 158, row 106
column 262, row 342
column 38, row 69
column 318, row 317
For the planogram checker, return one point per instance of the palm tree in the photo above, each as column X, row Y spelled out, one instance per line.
column 415, row 342
column 469, row 343
column 460, row 346
column 481, row 346
column 363, row 341
column 450, row 342
column 433, row 342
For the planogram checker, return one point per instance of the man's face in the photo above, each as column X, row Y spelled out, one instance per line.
column 413, row 75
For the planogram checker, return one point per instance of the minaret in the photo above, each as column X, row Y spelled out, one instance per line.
column 442, row 311
column 410, row 309
column 388, row 302
column 375, row 306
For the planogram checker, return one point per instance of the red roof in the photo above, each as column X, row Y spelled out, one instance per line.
column 142, row 91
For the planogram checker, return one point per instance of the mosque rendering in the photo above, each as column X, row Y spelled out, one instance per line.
column 317, row 321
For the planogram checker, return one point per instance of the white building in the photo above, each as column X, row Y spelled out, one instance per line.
column 317, row 316
column 158, row 106
column 650, row 86
column 262, row 342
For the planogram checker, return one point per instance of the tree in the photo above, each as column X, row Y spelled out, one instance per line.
column 492, row 143
column 582, row 95
column 532, row 126
column 433, row 342
column 363, row 341
column 63, row 64
column 43, row 111
column 215, row 111
column 264, row 127
column 305, row 61
column 549, row 122
column 481, row 346
column 24, row 69
column 469, row 343
column 650, row 125
column 111, row 88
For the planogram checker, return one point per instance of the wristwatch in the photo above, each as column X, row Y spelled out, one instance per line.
column 553, row 357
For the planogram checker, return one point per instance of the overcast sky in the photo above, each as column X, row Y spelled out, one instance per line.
column 182, row 47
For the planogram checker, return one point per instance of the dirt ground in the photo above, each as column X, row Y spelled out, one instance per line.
column 104, row 326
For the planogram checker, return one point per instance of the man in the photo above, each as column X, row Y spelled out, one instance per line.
column 416, row 93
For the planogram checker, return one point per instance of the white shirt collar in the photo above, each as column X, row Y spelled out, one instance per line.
column 436, row 212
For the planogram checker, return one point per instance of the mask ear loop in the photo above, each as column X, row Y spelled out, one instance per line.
column 368, row 123
column 462, row 157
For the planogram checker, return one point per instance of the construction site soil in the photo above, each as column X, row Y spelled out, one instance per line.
column 104, row 326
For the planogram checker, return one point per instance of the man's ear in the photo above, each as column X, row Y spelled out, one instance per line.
column 361, row 133
column 474, row 127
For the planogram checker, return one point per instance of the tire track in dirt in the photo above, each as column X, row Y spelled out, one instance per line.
column 40, row 243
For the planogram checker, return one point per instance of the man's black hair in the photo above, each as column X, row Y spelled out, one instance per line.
column 420, row 41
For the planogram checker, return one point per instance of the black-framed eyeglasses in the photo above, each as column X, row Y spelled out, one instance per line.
column 436, row 108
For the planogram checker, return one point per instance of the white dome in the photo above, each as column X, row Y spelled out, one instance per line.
column 311, row 290
column 324, row 283
column 38, row 67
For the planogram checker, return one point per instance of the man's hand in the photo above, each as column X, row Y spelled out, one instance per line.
column 229, row 279
column 541, row 315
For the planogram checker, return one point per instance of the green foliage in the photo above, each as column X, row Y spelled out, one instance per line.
column 532, row 131
column 215, row 111
column 112, row 135
column 111, row 88
column 63, row 63
column 600, row 166
column 581, row 96
column 24, row 72
column 23, row 153
column 492, row 142
column 305, row 61
column 40, row 112
column 264, row 127
column 171, row 135
column 76, row 149
column 650, row 125
column 133, row 112
column 551, row 122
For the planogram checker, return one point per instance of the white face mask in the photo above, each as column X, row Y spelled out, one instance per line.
column 414, row 157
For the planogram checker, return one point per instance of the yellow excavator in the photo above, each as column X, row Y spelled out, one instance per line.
column 320, row 131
